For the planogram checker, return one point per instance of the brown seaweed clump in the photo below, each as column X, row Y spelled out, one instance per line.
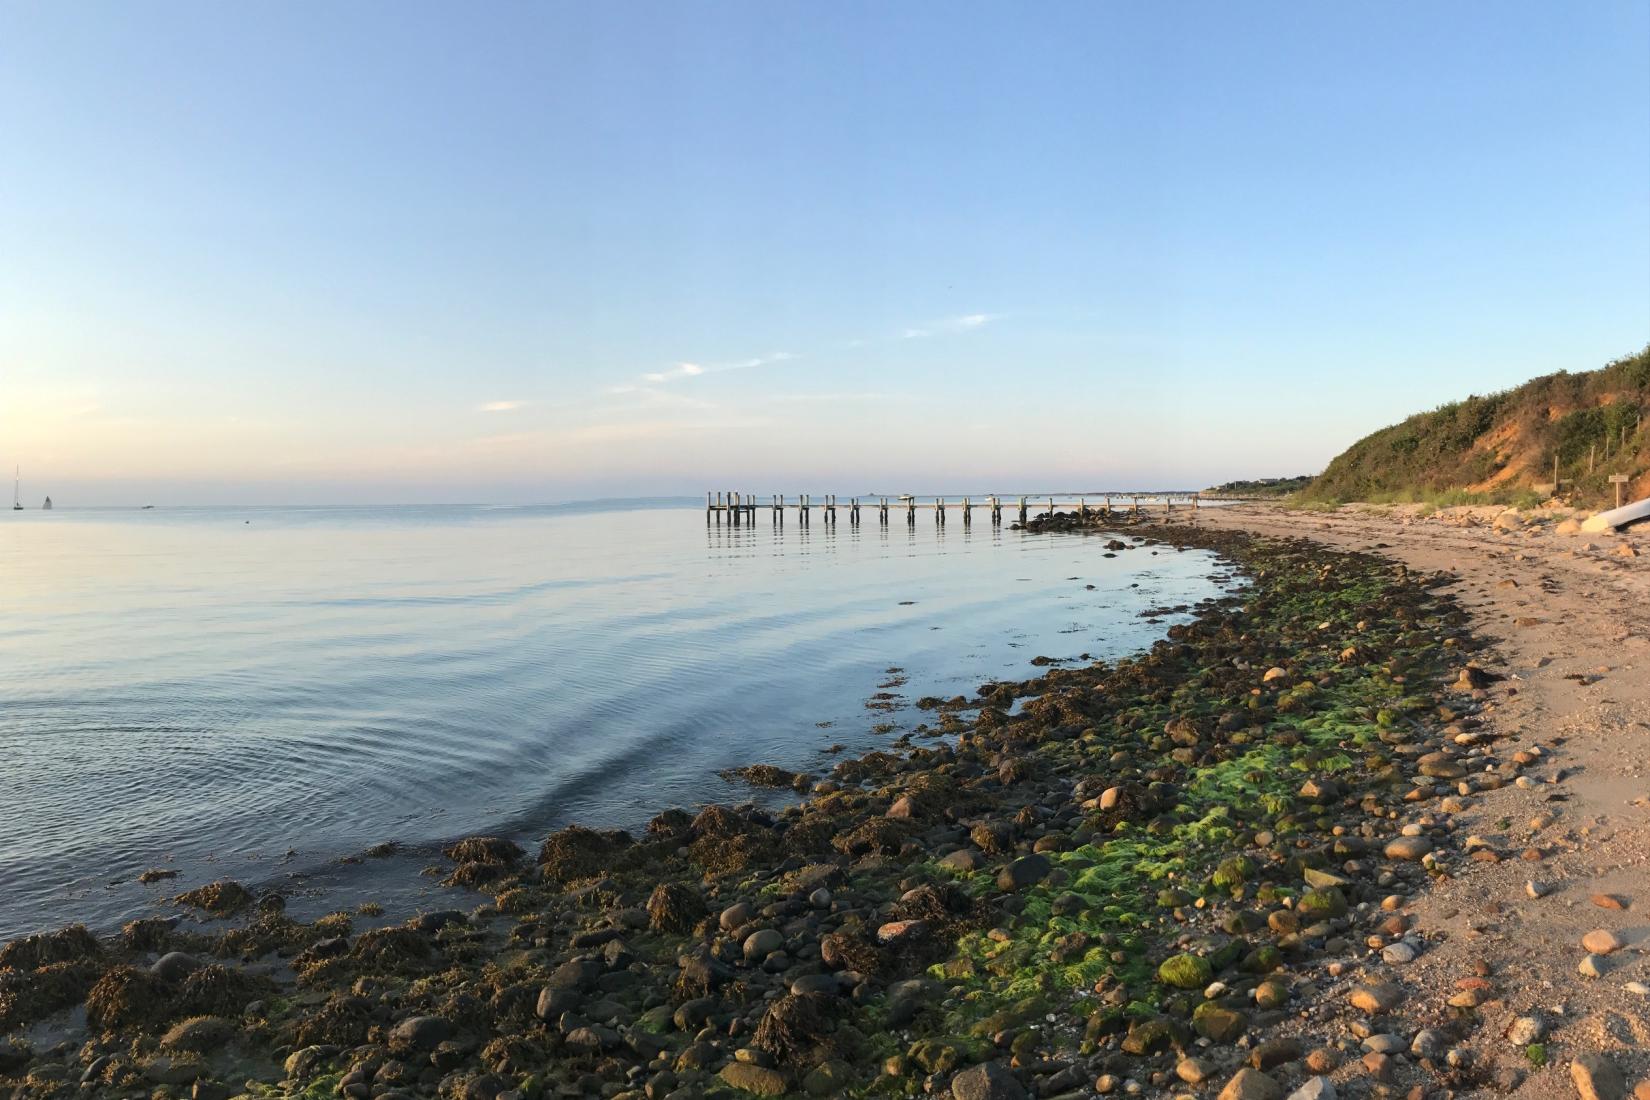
column 845, row 951
column 670, row 823
column 146, row 934
column 674, row 908
column 268, row 932
column 796, row 1027
column 726, row 855
column 128, row 999
column 475, row 875
column 198, row 1034
column 576, row 852
column 390, row 949
column 27, row 996
column 761, row 775
column 217, row 990
column 874, row 834
column 342, row 1021
column 65, row 945
column 221, row 898
column 484, row 849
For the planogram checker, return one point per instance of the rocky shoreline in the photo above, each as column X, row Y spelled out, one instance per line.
column 1186, row 872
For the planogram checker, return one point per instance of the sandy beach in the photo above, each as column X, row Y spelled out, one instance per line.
column 1569, row 618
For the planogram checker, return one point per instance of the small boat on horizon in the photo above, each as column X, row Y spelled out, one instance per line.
column 16, row 484
column 46, row 507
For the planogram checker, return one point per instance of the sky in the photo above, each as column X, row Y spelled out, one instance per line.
column 314, row 252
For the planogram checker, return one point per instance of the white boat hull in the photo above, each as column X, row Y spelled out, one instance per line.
column 1617, row 517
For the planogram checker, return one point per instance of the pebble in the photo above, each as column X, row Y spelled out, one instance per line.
column 1323, row 1060
column 1537, row 889
column 1315, row 1088
column 1376, row 998
column 1193, row 1071
column 1638, row 989
column 421, row 1032
column 1398, row 953
column 1408, row 847
column 1251, row 1084
column 1597, row 1078
column 1428, row 1043
column 174, row 966
column 1526, row 1030
column 1592, row 966
column 987, row 1081
column 1601, row 941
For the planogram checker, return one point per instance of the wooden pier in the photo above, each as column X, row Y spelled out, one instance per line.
column 738, row 509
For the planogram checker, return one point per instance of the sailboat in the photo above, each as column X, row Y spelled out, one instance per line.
column 16, row 484
column 46, row 507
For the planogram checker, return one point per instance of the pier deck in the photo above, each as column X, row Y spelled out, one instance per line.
column 742, row 508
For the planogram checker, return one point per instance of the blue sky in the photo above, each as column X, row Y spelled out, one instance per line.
column 404, row 251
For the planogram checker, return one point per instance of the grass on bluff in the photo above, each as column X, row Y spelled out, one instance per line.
column 1593, row 423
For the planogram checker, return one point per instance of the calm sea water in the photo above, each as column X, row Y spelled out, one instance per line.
column 256, row 693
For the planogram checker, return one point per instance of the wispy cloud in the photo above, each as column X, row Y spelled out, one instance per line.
column 759, row 361
column 500, row 406
column 694, row 370
column 680, row 370
column 965, row 323
column 799, row 398
column 652, row 395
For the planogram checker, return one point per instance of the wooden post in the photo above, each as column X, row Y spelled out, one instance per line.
column 1555, row 473
column 911, row 512
column 1592, row 457
column 884, row 512
column 1022, row 510
column 1618, row 480
column 1136, row 502
column 939, row 513
column 1197, row 501
column 968, row 512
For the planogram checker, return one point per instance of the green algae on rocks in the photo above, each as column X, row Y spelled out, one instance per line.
column 1082, row 886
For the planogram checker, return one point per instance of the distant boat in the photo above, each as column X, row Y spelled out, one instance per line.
column 146, row 507
column 46, row 507
column 16, row 483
